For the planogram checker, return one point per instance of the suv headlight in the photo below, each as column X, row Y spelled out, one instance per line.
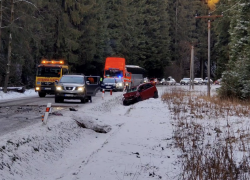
column 58, row 88
column 80, row 89
column 119, row 84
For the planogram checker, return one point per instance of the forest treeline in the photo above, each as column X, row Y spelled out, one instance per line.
column 156, row 35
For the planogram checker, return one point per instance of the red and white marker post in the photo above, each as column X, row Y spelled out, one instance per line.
column 46, row 114
column 103, row 91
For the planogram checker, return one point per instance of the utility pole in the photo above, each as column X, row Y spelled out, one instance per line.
column 208, row 56
column 192, row 64
column 191, row 82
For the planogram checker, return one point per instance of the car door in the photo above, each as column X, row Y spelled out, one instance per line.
column 92, row 85
column 149, row 90
column 142, row 92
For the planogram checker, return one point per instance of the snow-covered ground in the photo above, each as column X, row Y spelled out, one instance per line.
column 14, row 95
column 138, row 146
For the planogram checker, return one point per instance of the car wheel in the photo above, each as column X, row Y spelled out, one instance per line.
column 156, row 94
column 125, row 103
column 58, row 100
column 41, row 94
column 84, row 100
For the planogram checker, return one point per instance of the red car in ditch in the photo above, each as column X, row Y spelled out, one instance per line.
column 140, row 93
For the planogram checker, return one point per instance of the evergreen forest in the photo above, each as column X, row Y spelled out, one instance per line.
column 154, row 34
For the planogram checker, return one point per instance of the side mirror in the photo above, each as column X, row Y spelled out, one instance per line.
column 87, row 82
column 56, row 81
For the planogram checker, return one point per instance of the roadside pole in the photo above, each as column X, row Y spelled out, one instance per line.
column 190, row 73
column 46, row 114
column 103, row 91
column 208, row 58
column 191, row 82
column 192, row 65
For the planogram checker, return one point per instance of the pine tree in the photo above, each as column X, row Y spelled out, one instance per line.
column 236, row 78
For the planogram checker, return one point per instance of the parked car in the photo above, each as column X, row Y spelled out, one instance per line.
column 185, row 81
column 140, row 93
column 206, row 80
column 170, row 81
column 154, row 81
column 76, row 87
column 198, row 81
column 162, row 81
column 218, row 82
column 145, row 80
column 114, row 84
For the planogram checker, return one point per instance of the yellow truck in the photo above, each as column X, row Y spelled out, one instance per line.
column 48, row 72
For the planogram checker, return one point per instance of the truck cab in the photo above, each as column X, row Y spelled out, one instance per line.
column 47, row 73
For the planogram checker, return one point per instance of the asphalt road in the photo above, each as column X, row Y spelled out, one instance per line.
column 22, row 112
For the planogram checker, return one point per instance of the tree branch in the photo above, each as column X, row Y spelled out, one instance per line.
column 26, row 2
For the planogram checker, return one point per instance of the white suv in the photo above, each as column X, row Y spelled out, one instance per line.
column 170, row 81
column 185, row 81
column 198, row 81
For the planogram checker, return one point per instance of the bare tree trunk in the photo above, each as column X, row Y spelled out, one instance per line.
column 9, row 48
column 202, row 68
column 1, row 17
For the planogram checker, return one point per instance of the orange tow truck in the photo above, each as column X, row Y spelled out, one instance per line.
column 48, row 72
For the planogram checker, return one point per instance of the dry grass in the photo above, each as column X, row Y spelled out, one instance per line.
column 212, row 134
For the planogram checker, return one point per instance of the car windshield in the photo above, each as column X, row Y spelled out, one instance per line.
column 113, row 73
column 109, row 80
column 118, row 80
column 132, row 89
column 48, row 72
column 72, row 79
column 186, row 78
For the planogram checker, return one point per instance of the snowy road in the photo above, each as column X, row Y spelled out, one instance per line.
column 20, row 112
